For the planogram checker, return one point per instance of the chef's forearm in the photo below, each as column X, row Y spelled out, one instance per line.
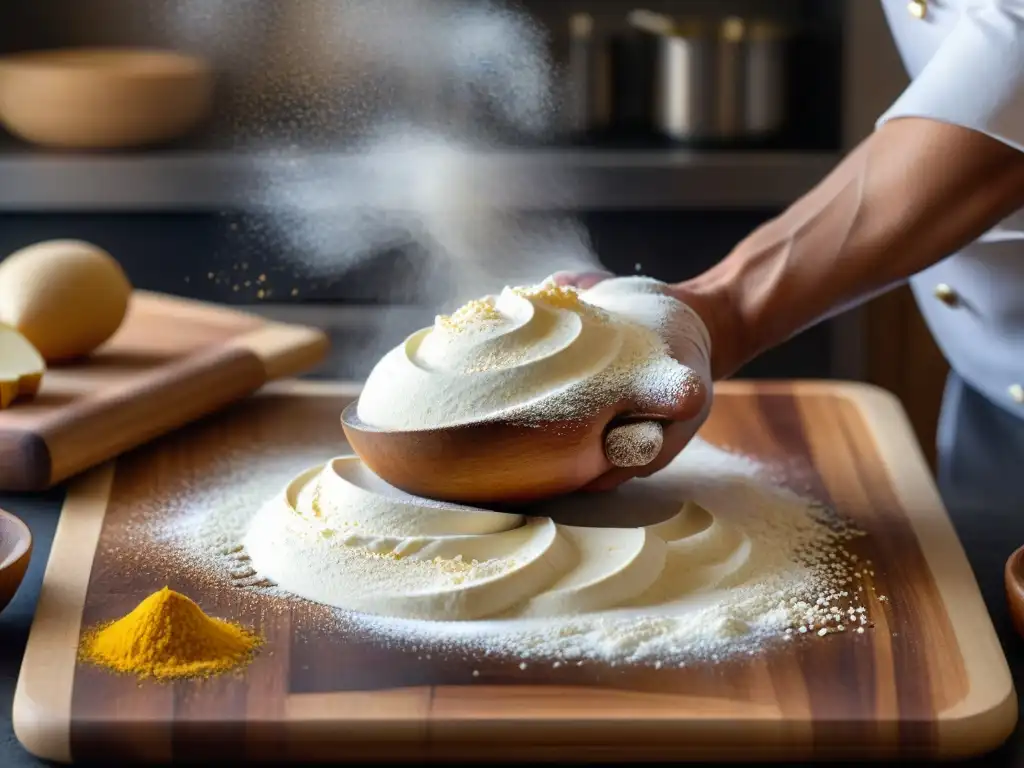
column 911, row 194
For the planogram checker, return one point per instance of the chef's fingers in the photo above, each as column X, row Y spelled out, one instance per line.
column 687, row 402
column 691, row 413
column 683, row 418
column 581, row 280
column 676, row 437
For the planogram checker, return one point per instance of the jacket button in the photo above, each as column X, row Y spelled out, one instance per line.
column 918, row 8
column 946, row 295
column 1017, row 393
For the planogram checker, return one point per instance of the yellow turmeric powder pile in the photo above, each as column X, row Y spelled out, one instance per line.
column 168, row 636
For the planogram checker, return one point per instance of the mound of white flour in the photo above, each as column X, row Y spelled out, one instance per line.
column 702, row 558
column 533, row 353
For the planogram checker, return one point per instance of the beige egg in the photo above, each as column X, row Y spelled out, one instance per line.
column 67, row 297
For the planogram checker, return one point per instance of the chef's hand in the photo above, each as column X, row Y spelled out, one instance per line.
column 687, row 338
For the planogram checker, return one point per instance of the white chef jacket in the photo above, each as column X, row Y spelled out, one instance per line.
column 966, row 58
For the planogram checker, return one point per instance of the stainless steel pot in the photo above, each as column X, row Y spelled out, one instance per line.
column 687, row 80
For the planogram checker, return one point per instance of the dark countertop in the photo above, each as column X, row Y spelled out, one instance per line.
column 987, row 547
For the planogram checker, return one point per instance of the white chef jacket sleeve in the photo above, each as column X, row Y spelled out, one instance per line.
column 976, row 77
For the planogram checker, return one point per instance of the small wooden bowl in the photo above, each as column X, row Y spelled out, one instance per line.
column 486, row 462
column 15, row 553
column 103, row 98
column 1013, row 576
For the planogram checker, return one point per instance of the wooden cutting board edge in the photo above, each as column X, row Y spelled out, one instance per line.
column 200, row 385
column 981, row 721
column 989, row 713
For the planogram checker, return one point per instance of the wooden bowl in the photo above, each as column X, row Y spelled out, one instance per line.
column 103, row 98
column 1013, row 575
column 485, row 462
column 15, row 553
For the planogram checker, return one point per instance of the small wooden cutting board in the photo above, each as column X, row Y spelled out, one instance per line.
column 172, row 361
column 928, row 680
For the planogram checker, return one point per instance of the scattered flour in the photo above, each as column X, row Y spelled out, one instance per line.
column 200, row 526
column 780, row 567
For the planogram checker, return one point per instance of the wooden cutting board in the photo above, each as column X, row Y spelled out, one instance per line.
column 172, row 361
column 929, row 679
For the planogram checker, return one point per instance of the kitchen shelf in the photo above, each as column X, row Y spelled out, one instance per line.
column 535, row 179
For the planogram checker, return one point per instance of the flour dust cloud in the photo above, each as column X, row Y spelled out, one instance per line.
column 399, row 109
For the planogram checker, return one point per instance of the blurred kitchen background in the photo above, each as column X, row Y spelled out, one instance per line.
column 669, row 146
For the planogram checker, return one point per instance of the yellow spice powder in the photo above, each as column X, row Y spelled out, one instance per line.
column 168, row 636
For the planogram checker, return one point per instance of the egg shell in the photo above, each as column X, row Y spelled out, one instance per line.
column 66, row 296
column 21, row 367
